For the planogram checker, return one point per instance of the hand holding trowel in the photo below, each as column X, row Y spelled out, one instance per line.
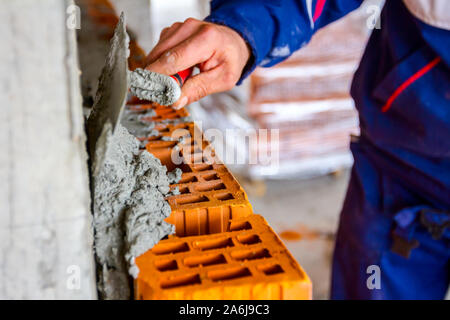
column 114, row 83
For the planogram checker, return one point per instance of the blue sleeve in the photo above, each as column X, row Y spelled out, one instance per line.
column 274, row 29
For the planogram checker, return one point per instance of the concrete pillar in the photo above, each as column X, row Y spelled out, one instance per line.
column 45, row 218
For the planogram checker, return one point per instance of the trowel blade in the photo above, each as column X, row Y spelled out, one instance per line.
column 111, row 94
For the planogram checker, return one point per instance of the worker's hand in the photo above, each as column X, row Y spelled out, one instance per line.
column 220, row 53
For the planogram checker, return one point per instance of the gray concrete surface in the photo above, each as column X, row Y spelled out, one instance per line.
column 45, row 218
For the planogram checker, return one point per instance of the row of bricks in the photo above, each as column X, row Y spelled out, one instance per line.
column 247, row 262
column 237, row 256
column 209, row 196
column 162, row 113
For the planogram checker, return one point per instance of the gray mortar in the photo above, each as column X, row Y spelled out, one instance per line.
column 154, row 87
column 132, row 120
column 128, row 186
column 129, row 210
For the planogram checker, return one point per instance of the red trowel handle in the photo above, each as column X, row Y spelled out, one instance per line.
column 182, row 76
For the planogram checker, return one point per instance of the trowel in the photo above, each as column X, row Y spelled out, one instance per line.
column 156, row 87
column 112, row 92
column 110, row 97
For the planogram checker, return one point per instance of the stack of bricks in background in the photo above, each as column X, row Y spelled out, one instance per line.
column 307, row 98
column 247, row 262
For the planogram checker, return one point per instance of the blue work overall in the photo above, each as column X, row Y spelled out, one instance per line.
column 395, row 218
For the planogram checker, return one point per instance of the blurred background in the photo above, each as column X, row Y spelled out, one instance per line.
column 305, row 100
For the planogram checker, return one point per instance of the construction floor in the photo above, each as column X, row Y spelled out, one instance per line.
column 305, row 213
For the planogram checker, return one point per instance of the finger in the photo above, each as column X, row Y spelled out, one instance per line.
column 166, row 32
column 162, row 44
column 196, row 49
column 177, row 33
column 213, row 62
column 202, row 85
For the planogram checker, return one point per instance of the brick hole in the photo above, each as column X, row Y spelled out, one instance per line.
column 166, row 129
column 202, row 167
column 197, row 144
column 167, row 248
column 271, row 269
column 205, row 260
column 219, row 243
column 239, row 225
column 154, row 138
column 170, row 115
column 166, row 156
column 209, row 159
column 184, row 168
column 165, row 237
column 210, row 186
column 166, row 265
column 229, row 274
column 211, row 176
column 249, row 239
column 251, row 254
column 192, row 199
column 184, row 280
column 188, row 179
column 183, row 189
column 182, row 126
column 224, row 196
column 164, row 144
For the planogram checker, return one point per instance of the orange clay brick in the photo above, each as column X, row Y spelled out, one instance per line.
column 162, row 112
column 248, row 262
column 209, row 194
column 102, row 13
column 185, row 148
column 208, row 200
